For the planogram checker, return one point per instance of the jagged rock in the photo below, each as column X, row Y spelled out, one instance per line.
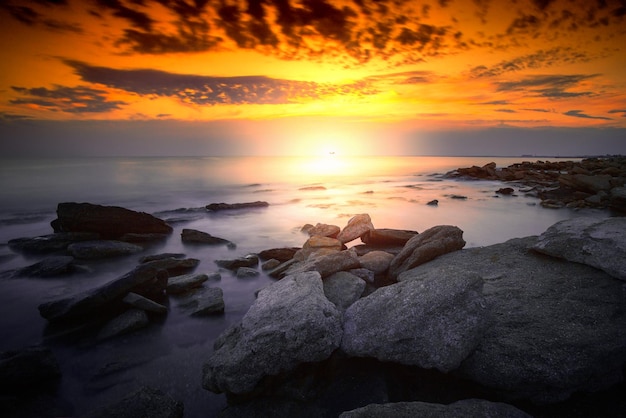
column 131, row 320
column 587, row 183
column 387, row 237
column 91, row 250
column 161, row 256
column 111, row 222
column 280, row 254
column 192, row 236
column 50, row 243
column 174, row 266
column 28, row 370
column 49, row 267
column 343, row 289
column 327, row 264
column 464, row 408
column 145, row 402
column 185, row 282
column 145, row 304
column 214, row 207
column 356, row 227
column 246, row 272
column 426, row 246
column 324, row 230
column 291, row 322
column 204, row 301
column 250, row 260
column 433, row 202
column 595, row 242
column 428, row 320
column 376, row 261
column 507, row 191
column 318, row 245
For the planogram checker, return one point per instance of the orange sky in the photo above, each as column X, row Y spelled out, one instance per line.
column 343, row 66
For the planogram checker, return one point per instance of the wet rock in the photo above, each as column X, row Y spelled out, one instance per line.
column 192, row 236
column 507, row 191
column 343, row 289
column 618, row 199
column 280, row 254
column 204, row 301
column 356, row 227
column 133, row 237
column 587, row 183
column 145, row 304
column 291, row 322
column 28, row 370
column 92, row 250
column 318, row 245
column 49, row 267
column 426, row 246
column 324, row 230
column 50, row 243
column 185, row 283
column 161, row 256
column 214, row 207
column 376, row 261
column 246, row 273
column 433, row 202
column 270, row 264
column 250, row 260
column 173, row 266
column 111, row 222
column 327, row 264
column 145, row 402
column 129, row 321
column 387, row 237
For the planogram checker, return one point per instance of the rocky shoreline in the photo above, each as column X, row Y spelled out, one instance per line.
column 405, row 323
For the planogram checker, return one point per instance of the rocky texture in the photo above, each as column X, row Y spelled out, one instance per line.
column 203, row 301
column 51, row 243
column 318, row 245
column 617, row 199
column 184, row 283
column 192, row 236
column 133, row 237
column 145, row 304
column 214, row 207
column 161, row 256
column 49, row 267
column 387, row 237
column 28, row 370
column 250, row 260
column 326, row 264
column 376, row 261
column 431, row 320
column 131, row 320
column 323, row 230
column 145, row 402
column 343, row 289
column 356, row 227
column 464, row 408
column 111, row 222
column 246, row 273
column 426, row 246
column 600, row 243
column 280, row 254
column 173, row 266
column 91, row 250
column 291, row 322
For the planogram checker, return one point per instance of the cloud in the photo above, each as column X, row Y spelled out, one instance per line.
column 622, row 111
column 208, row 90
column 496, row 102
column 538, row 110
column 32, row 17
column 66, row 99
column 579, row 114
column 550, row 86
column 506, row 110
column 405, row 77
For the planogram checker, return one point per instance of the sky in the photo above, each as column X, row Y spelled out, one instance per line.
column 300, row 77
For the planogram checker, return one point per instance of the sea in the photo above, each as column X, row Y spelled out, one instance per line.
column 169, row 354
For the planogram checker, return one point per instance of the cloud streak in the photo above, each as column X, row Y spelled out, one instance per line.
column 580, row 114
column 549, row 86
column 67, row 99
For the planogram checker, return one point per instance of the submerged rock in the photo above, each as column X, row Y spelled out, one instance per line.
column 49, row 267
column 185, row 283
column 28, row 370
column 204, row 301
column 131, row 320
column 92, row 250
column 145, row 402
column 280, row 254
column 140, row 302
column 250, row 260
column 192, row 236
column 51, row 243
column 214, row 207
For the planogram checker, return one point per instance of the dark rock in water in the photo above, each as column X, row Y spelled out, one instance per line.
column 270, row 264
column 155, row 288
column 464, row 408
column 49, row 267
column 457, row 196
column 324, row 230
column 387, row 237
column 426, row 246
column 92, row 250
column 174, row 266
column 184, row 283
column 343, row 289
column 230, row 206
column 433, row 202
column 111, row 222
column 291, row 322
column 129, row 321
column 28, row 370
column 145, row 402
column 51, row 243
column 203, row 302
column 133, row 237
column 145, row 304
column 507, row 191
column 160, row 257
column 357, row 226
column 618, row 199
column 280, row 254
column 250, row 260
column 312, row 188
column 192, row 236
column 246, row 272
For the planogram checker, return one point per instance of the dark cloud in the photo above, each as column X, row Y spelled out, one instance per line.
column 66, row 99
column 538, row 110
column 496, row 102
column 31, row 17
column 580, row 114
column 136, row 18
column 405, row 77
column 207, row 90
column 9, row 117
column 506, row 110
column 550, row 86
column 622, row 111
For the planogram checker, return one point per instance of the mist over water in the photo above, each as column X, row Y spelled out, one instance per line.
column 169, row 355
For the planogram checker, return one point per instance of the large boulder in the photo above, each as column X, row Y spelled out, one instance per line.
column 586, row 183
column 193, row 236
column 426, row 246
column 327, row 264
column 92, row 250
column 343, row 289
column 50, row 243
column 387, row 237
column 600, row 243
column 618, row 199
column 376, row 261
column 49, row 267
column 144, row 402
column 185, row 282
column 291, row 322
column 428, row 320
column 318, row 245
column 324, row 230
column 356, row 227
column 111, row 222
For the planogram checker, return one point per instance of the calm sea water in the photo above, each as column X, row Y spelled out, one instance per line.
column 329, row 189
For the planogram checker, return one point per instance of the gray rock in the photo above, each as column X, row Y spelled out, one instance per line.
column 250, row 260
column 29, row 370
column 145, row 402
column 343, row 289
column 618, row 199
column 327, row 264
column 280, row 254
column 173, row 266
column 324, row 230
column 595, row 242
column 134, row 237
column 426, row 246
column 464, row 408
column 356, row 227
column 145, row 304
column 429, row 320
column 247, row 272
column 387, row 237
column 270, row 264
column 214, row 207
column 131, row 320
column 91, row 250
column 291, row 322
column 50, row 243
column 49, row 267
column 376, row 261
column 586, row 183
column 204, row 302
column 161, row 256
column 192, row 236
column 184, row 283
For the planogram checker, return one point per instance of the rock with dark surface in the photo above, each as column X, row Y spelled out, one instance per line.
column 28, row 370
column 49, row 267
column 343, row 289
column 143, row 403
column 93, row 250
column 51, row 243
column 145, row 304
column 214, row 207
column 357, row 226
column 586, row 183
column 291, row 322
column 161, row 256
column 428, row 320
column 600, row 243
column 173, row 266
column 111, row 222
column 192, row 236
column 134, row 237
column 464, row 408
column 387, row 237
column 617, row 199
column 203, row 302
column 507, row 191
column 129, row 321
column 250, row 260
column 433, row 202
column 280, row 254
column 185, row 283
column 376, row 261
column 246, row 273
column 426, row 246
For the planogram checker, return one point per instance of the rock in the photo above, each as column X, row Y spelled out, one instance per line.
column 328, row 264
column 192, row 236
column 457, row 196
column 376, row 261
column 111, row 222
column 595, row 242
column 28, row 370
column 507, row 191
column 617, row 199
column 324, row 230
column 204, row 301
column 428, row 320
column 145, row 304
column 50, row 243
column 280, row 270
column 270, row 264
column 343, row 289
column 145, row 402
column 433, row 202
column 49, row 267
column 426, row 246
column 174, row 266
column 246, row 273
column 250, row 260
column 463, row 408
column 291, row 322
column 318, row 245
column 214, row 207
column 586, row 183
column 160, row 257
column 185, row 283
column 387, row 237
column 312, row 188
column 280, row 254
column 134, row 237
column 92, row 250
column 356, row 227
column 131, row 320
